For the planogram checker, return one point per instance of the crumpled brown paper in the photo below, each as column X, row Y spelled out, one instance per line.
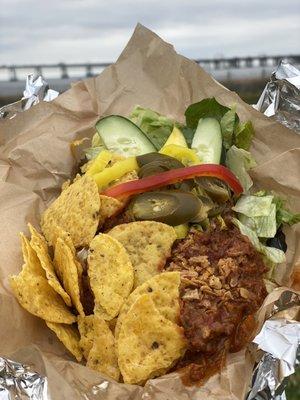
column 35, row 159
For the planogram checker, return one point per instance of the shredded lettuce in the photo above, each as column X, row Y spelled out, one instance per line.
column 155, row 126
column 258, row 214
column 254, row 206
column 263, row 213
column 243, row 135
column 96, row 147
column 239, row 161
column 228, row 122
column 284, row 216
column 271, row 254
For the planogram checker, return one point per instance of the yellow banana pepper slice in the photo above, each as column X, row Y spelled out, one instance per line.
column 116, row 171
column 100, row 162
column 185, row 155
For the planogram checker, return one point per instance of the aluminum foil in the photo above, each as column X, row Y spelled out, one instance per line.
column 281, row 96
column 36, row 90
column 280, row 340
column 18, row 382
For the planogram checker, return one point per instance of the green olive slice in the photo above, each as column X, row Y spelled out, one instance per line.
column 171, row 207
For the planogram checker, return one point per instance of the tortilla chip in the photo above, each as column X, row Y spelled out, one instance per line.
column 111, row 275
column 109, row 207
column 30, row 258
column 102, row 356
column 66, row 269
column 76, row 211
column 69, row 337
column 164, row 292
column 39, row 245
column 87, row 334
column 34, row 293
column 129, row 176
column 148, row 343
column 148, row 244
column 65, row 185
column 58, row 232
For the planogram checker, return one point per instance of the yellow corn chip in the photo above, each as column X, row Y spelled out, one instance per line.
column 87, row 334
column 102, row 356
column 66, row 269
column 39, row 245
column 148, row 343
column 111, row 275
column 109, row 207
column 34, row 293
column 69, row 337
column 30, row 258
column 58, row 232
column 164, row 292
column 148, row 244
column 76, row 211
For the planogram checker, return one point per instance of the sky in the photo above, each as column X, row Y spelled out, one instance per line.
column 53, row 31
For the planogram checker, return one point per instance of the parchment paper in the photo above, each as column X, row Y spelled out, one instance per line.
column 35, row 159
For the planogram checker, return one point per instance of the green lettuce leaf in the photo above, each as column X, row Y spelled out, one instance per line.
column 204, row 108
column 264, row 226
column 254, row 206
column 96, row 147
column 258, row 213
column 228, row 123
column 243, row 135
column 284, row 216
column 271, row 254
column 239, row 161
column 155, row 126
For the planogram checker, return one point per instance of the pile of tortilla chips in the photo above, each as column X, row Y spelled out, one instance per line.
column 132, row 334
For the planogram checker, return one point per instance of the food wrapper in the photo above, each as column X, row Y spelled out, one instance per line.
column 281, row 96
column 36, row 90
column 35, row 159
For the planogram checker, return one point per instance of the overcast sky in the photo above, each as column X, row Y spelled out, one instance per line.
column 51, row 31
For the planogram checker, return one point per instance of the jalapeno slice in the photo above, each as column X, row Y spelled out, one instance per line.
column 171, row 207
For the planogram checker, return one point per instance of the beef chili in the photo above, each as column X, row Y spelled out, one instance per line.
column 221, row 288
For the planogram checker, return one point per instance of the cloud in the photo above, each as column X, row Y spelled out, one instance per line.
column 34, row 31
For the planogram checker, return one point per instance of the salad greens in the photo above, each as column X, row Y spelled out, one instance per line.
column 271, row 254
column 239, row 161
column 215, row 132
column 233, row 132
column 155, row 126
column 258, row 214
column 283, row 216
column 203, row 109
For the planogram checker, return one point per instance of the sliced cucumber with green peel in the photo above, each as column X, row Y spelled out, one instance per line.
column 123, row 137
column 207, row 141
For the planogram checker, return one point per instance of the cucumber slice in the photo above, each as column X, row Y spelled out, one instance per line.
column 207, row 141
column 123, row 137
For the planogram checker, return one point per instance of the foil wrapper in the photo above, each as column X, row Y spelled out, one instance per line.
column 36, row 90
column 280, row 340
column 281, row 96
column 18, row 382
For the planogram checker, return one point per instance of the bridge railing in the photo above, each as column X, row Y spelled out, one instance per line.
column 91, row 69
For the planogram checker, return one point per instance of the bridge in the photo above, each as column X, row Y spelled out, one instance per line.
column 64, row 71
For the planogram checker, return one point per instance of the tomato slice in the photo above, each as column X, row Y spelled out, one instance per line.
column 175, row 175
